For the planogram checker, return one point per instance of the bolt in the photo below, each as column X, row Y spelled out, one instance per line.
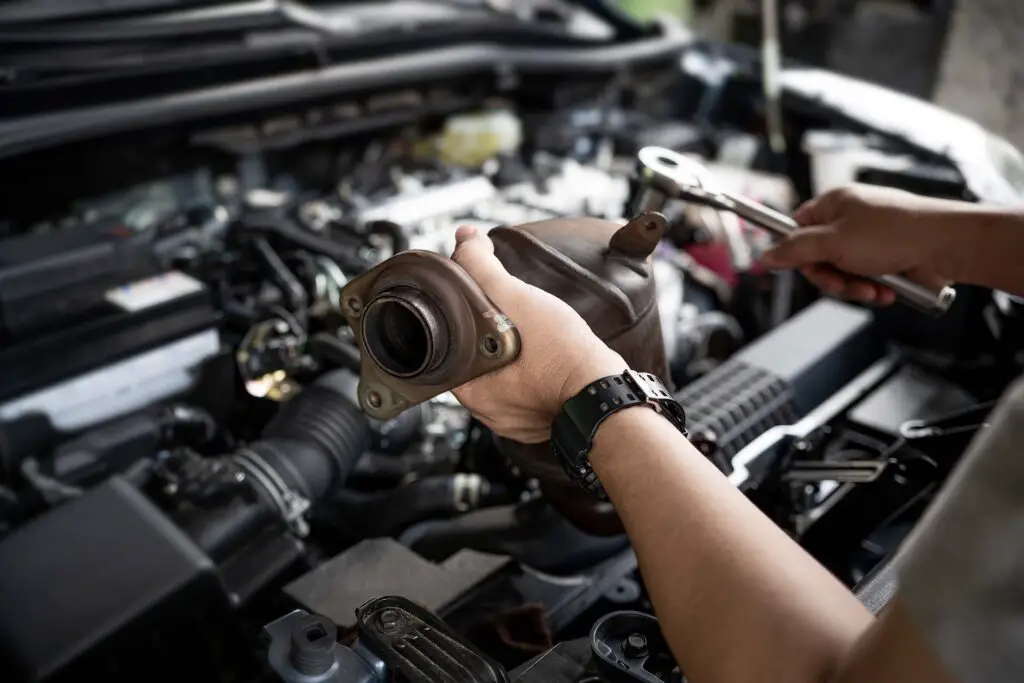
column 355, row 304
column 389, row 619
column 312, row 645
column 634, row 646
column 374, row 399
column 490, row 346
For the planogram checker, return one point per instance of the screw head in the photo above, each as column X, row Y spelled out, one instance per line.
column 490, row 346
column 354, row 304
column 374, row 399
column 634, row 645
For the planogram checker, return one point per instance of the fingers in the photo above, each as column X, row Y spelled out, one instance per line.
column 474, row 251
column 808, row 246
column 826, row 279
column 928, row 277
column 838, row 284
column 810, row 212
column 826, row 207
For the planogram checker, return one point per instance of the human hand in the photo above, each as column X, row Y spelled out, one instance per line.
column 865, row 230
column 559, row 353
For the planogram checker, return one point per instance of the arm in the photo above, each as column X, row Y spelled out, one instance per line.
column 982, row 246
column 739, row 600
column 865, row 230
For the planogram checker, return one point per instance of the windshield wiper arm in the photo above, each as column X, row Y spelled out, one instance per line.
column 231, row 18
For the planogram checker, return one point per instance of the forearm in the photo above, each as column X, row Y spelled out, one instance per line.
column 738, row 599
column 982, row 246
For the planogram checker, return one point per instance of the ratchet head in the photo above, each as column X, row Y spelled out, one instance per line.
column 664, row 174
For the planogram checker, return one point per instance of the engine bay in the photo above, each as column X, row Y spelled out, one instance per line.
column 183, row 459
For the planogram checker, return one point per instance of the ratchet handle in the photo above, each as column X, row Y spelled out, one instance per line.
column 910, row 293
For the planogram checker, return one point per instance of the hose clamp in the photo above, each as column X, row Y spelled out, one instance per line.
column 466, row 490
column 290, row 505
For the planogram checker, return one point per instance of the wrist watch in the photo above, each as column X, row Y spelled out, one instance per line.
column 573, row 430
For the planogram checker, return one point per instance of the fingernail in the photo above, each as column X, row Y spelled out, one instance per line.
column 464, row 232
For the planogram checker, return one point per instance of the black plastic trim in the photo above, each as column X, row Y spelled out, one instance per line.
column 23, row 135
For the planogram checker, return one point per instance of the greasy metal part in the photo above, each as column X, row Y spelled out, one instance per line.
column 603, row 271
column 267, row 354
column 423, row 327
column 665, row 175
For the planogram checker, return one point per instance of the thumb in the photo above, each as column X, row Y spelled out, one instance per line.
column 807, row 246
column 474, row 252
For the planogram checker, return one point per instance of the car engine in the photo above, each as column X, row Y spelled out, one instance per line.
column 183, row 459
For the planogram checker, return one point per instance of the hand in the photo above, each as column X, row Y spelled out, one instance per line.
column 865, row 230
column 559, row 353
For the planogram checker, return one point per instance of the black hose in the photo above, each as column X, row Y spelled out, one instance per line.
column 309, row 448
column 316, row 438
column 393, row 231
column 222, row 531
column 333, row 352
column 389, row 512
column 293, row 234
column 282, row 276
column 183, row 424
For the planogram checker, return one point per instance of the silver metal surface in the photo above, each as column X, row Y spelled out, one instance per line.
column 669, row 175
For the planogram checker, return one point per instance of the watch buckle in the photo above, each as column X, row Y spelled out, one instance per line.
column 643, row 388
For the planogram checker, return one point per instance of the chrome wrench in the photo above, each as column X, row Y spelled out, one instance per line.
column 666, row 175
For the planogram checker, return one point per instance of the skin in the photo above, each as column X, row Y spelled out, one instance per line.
column 868, row 230
column 737, row 598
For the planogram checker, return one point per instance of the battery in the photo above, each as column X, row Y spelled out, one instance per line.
column 89, row 317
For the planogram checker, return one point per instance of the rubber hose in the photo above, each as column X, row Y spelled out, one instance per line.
column 220, row 532
column 374, row 465
column 389, row 512
column 394, row 232
column 332, row 351
column 314, row 441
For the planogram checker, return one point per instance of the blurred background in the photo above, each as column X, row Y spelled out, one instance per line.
column 962, row 55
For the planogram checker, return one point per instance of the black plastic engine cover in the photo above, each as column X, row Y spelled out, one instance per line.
column 78, row 585
column 421, row 648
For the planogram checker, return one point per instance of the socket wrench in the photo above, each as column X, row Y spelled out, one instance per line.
column 666, row 175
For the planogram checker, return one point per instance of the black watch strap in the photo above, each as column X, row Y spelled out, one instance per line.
column 574, row 428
